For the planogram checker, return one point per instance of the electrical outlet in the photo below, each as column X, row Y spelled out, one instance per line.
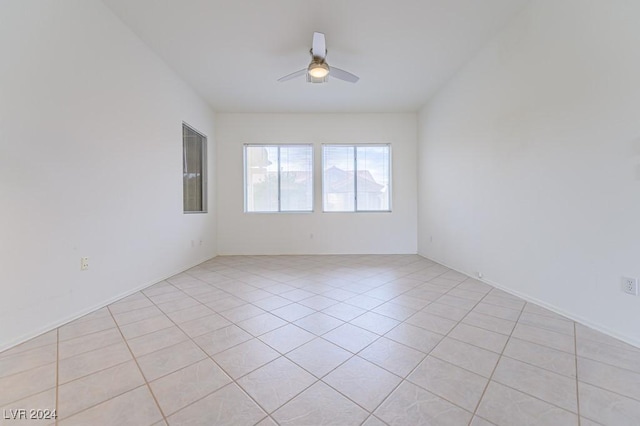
column 630, row 285
column 84, row 263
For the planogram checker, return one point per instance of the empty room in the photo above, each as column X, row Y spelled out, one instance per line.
column 295, row 212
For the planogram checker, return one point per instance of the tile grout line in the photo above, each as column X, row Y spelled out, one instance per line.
column 190, row 339
column 136, row 362
column 537, row 366
column 447, row 335
column 526, row 393
column 405, row 379
column 4, row 355
column 359, row 293
column 313, row 375
column 610, row 364
column 522, row 309
column 537, row 398
column 233, row 381
column 280, row 355
column 484, row 391
column 105, row 400
column 140, row 370
column 52, row 388
column 510, row 336
column 95, row 372
column 611, row 391
column 53, row 364
column 317, row 379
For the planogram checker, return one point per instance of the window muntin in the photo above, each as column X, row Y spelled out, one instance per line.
column 194, row 170
column 278, row 178
column 356, row 178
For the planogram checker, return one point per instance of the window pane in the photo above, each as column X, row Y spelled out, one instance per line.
column 373, row 178
column 193, row 149
column 261, row 178
column 296, row 178
column 338, row 186
column 194, row 176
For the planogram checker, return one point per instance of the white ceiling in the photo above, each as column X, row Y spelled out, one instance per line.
column 233, row 51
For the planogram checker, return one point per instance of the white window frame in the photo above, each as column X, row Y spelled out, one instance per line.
column 203, row 172
column 278, row 146
column 355, row 175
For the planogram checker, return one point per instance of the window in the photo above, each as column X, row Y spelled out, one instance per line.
column 356, row 178
column 194, row 170
column 278, row 178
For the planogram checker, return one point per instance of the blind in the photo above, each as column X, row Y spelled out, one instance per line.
column 338, row 189
column 278, row 178
column 356, row 178
column 193, row 177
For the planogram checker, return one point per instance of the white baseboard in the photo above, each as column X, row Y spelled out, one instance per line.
column 585, row 321
column 52, row 326
column 577, row 318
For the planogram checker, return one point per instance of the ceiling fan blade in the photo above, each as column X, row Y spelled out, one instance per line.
column 293, row 75
column 319, row 46
column 343, row 75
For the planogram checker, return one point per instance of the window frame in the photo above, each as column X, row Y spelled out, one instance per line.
column 278, row 146
column 355, row 175
column 203, row 165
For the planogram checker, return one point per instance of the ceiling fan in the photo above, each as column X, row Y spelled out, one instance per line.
column 319, row 70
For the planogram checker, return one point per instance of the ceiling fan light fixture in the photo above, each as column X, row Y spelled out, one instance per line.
column 318, row 70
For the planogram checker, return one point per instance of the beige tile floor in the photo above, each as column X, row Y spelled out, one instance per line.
column 314, row 340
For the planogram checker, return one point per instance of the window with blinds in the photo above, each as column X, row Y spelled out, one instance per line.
column 356, row 178
column 278, row 178
column 194, row 170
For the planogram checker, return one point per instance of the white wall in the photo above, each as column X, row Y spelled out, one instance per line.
column 529, row 162
column 289, row 233
column 90, row 165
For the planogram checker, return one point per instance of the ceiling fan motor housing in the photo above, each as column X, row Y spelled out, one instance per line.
column 318, row 71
